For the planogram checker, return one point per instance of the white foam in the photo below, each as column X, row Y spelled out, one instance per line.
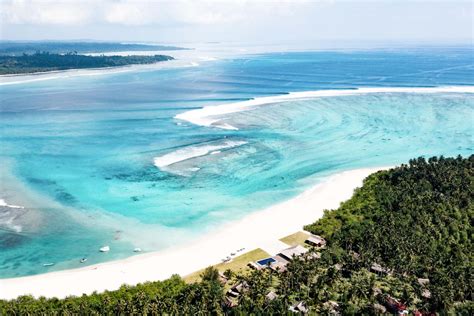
column 212, row 115
column 190, row 152
column 60, row 74
column 7, row 218
column 209, row 58
column 3, row 203
column 9, row 224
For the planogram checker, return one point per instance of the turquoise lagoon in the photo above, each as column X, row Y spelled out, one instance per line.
column 102, row 160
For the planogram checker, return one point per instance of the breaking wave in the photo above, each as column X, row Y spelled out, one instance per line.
column 211, row 116
column 190, row 152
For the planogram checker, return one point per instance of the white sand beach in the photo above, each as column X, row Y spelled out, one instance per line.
column 258, row 230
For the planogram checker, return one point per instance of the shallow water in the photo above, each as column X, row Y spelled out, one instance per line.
column 102, row 160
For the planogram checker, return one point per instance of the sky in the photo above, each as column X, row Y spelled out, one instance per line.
column 259, row 21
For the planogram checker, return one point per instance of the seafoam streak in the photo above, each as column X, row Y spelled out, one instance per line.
column 3, row 203
column 163, row 162
column 8, row 215
column 212, row 115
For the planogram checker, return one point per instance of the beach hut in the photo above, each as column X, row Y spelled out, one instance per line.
column 238, row 289
column 299, row 307
column 270, row 296
column 424, row 283
column 241, row 287
column 378, row 269
column 316, row 241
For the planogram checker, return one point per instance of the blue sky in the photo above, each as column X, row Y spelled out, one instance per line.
column 262, row 21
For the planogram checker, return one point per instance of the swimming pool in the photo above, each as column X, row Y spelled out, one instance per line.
column 265, row 262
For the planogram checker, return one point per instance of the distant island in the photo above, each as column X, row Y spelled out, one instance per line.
column 14, row 48
column 47, row 61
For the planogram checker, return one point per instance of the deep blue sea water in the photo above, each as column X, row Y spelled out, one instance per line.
column 90, row 158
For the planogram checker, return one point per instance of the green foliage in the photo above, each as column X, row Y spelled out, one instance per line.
column 172, row 295
column 356, row 210
column 44, row 61
column 414, row 220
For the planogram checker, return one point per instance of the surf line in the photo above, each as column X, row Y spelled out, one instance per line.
column 211, row 116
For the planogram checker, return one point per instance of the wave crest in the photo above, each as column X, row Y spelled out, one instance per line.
column 166, row 161
column 210, row 116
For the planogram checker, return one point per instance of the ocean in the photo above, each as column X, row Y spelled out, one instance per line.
column 131, row 159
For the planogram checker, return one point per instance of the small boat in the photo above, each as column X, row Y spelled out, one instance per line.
column 83, row 260
column 137, row 250
column 104, row 249
column 48, row 264
column 232, row 254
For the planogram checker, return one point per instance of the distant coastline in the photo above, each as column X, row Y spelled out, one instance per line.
column 46, row 62
column 18, row 48
column 21, row 78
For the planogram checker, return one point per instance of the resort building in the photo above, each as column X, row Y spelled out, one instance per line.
column 316, row 241
column 299, row 307
column 424, row 283
column 271, row 296
column 378, row 269
column 238, row 289
column 295, row 251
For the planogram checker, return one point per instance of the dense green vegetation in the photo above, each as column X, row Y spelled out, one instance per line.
column 40, row 62
column 20, row 48
column 415, row 221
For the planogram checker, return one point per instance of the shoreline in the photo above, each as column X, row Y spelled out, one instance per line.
column 261, row 229
column 8, row 79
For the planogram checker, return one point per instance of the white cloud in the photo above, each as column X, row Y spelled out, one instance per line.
column 238, row 20
column 141, row 12
column 45, row 12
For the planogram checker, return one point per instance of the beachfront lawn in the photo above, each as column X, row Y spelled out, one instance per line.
column 236, row 265
column 295, row 239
